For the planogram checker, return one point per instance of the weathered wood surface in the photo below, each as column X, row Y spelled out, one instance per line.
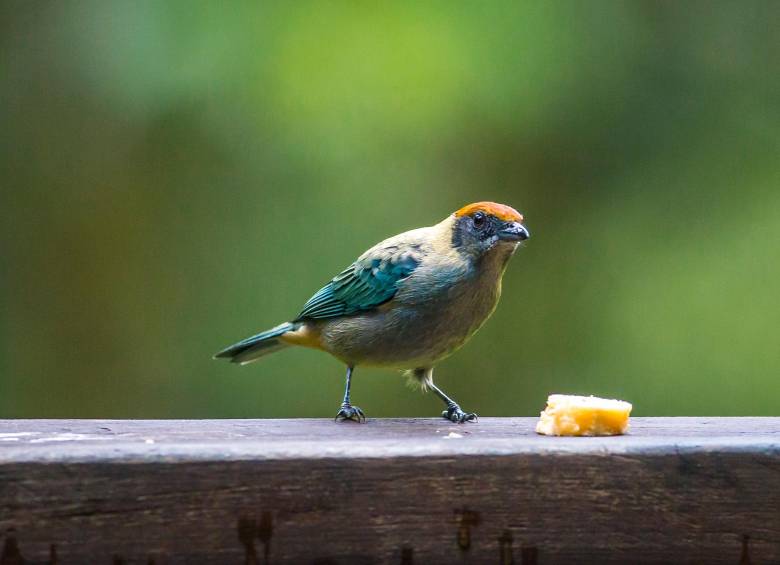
column 677, row 490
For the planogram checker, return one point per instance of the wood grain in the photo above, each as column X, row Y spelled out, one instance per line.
column 676, row 490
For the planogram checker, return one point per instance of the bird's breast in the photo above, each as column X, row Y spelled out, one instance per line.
column 433, row 313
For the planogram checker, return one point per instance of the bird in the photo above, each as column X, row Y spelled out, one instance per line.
column 407, row 303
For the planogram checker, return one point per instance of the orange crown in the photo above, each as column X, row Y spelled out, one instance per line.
column 500, row 211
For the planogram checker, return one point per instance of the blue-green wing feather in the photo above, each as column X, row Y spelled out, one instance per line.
column 369, row 282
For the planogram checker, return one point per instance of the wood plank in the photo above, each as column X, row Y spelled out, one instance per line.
column 676, row 490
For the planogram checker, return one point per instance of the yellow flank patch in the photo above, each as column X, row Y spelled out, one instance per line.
column 305, row 336
column 500, row 211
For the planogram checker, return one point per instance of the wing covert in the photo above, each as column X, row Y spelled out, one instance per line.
column 367, row 283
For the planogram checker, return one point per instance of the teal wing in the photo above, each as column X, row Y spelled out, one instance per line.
column 367, row 283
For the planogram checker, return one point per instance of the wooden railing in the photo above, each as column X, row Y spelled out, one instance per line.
column 676, row 490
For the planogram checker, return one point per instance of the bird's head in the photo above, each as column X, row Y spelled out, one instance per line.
column 483, row 226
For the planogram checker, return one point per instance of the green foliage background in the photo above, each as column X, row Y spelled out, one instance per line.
column 178, row 175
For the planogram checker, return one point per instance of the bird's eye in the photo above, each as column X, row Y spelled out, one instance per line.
column 479, row 219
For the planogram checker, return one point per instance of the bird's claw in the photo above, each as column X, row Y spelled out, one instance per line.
column 349, row 412
column 455, row 414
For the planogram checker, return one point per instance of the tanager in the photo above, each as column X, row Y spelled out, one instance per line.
column 407, row 303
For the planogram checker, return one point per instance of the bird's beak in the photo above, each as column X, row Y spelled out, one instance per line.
column 513, row 231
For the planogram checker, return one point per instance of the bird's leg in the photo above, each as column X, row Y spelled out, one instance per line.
column 453, row 411
column 347, row 411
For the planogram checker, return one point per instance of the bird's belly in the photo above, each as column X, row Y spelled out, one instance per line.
column 405, row 336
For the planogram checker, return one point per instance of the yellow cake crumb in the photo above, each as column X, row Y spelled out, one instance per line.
column 568, row 415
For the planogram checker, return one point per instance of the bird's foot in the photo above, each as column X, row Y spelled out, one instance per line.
column 455, row 414
column 349, row 412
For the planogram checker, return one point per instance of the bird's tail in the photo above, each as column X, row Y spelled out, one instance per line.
column 252, row 348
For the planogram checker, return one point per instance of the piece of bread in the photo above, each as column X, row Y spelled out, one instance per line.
column 567, row 415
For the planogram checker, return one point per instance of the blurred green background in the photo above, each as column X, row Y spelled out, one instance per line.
column 179, row 175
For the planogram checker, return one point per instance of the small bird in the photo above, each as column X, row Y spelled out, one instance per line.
column 406, row 303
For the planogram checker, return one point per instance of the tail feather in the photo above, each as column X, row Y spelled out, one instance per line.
column 252, row 348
